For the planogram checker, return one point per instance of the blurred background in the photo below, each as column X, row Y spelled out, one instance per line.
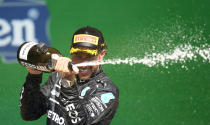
column 171, row 92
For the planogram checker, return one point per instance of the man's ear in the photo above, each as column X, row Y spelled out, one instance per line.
column 102, row 54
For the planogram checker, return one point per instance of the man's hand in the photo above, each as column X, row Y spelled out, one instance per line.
column 62, row 65
column 32, row 71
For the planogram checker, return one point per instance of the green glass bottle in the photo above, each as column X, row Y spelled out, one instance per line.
column 37, row 56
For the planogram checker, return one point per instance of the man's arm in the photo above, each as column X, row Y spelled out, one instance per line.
column 32, row 101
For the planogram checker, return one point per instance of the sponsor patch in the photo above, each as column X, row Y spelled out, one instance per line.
column 73, row 113
column 55, row 117
column 84, row 91
column 86, row 38
column 94, row 108
column 98, row 103
column 90, row 110
column 105, row 98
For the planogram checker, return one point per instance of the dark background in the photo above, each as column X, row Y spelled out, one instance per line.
column 176, row 94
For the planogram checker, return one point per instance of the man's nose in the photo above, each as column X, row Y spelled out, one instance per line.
column 81, row 61
column 83, row 67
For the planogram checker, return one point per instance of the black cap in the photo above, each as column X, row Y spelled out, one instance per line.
column 89, row 38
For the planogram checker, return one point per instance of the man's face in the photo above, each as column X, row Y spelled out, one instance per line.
column 86, row 71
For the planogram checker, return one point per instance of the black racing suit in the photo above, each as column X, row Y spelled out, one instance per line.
column 93, row 101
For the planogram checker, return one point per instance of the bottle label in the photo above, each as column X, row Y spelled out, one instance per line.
column 25, row 49
column 40, row 68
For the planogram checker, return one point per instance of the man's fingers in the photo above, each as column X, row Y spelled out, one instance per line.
column 65, row 66
column 62, row 65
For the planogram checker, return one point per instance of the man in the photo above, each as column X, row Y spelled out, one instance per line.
column 70, row 97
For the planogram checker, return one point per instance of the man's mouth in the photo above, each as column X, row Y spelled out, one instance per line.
column 83, row 71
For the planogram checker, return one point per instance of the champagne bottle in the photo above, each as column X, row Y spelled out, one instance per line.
column 37, row 56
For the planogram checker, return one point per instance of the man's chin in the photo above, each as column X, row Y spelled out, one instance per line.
column 84, row 77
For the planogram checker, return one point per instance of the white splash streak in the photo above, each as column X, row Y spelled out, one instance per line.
column 180, row 54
